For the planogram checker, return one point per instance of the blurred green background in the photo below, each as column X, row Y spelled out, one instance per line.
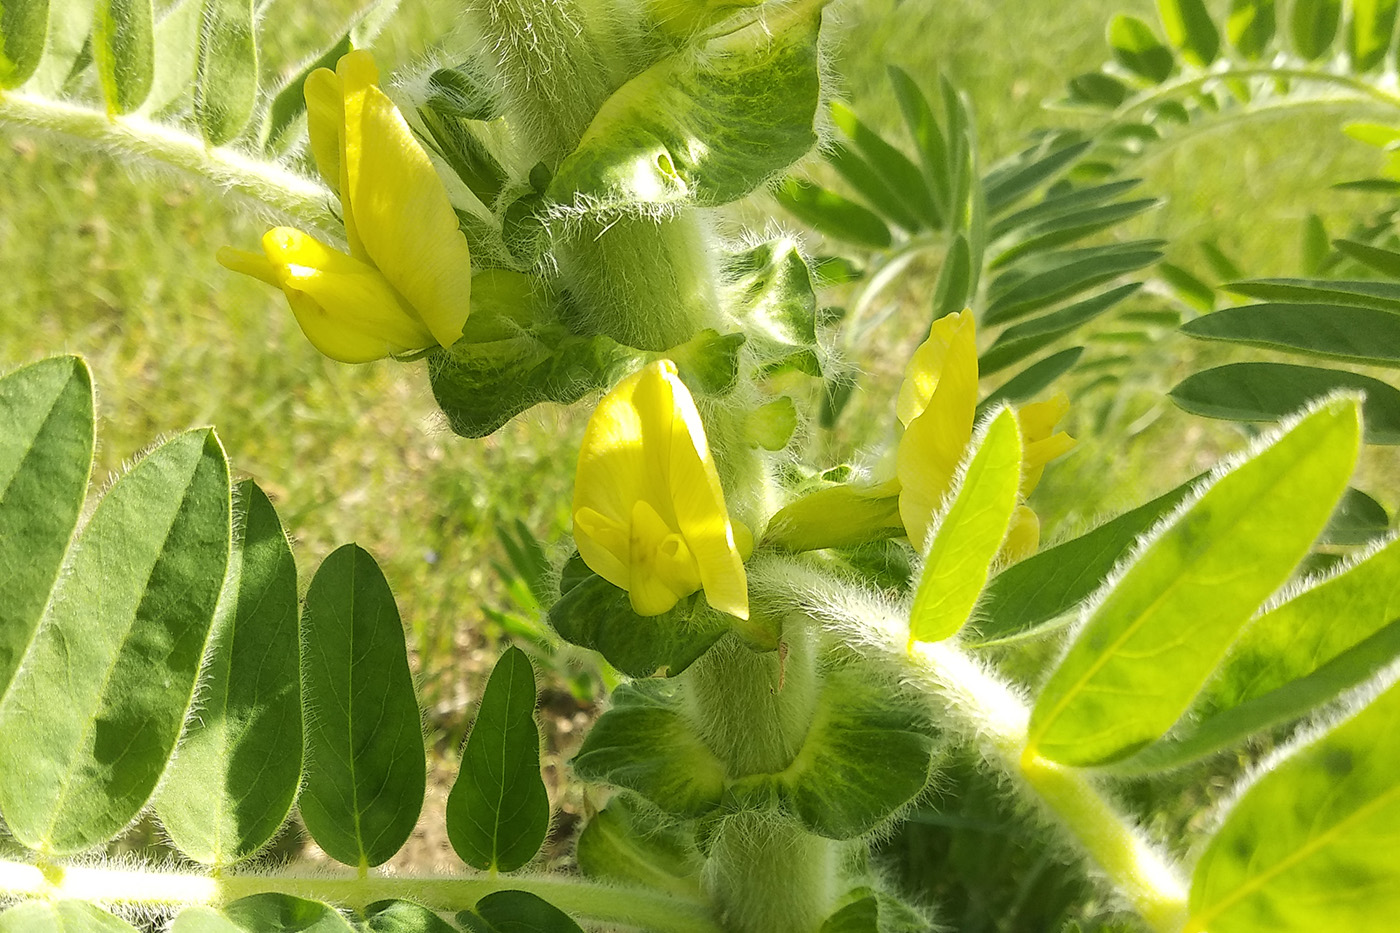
column 115, row 260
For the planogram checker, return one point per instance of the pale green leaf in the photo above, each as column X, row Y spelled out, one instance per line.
column 1314, row 25
column 969, row 534
column 176, row 54
column 61, row 917
column 404, row 917
column 1191, row 30
column 365, row 762
column 24, row 26
column 93, row 715
column 1371, row 28
column 235, row 778
column 1251, row 26
column 1137, row 48
column 226, row 70
column 123, row 44
column 1159, row 630
column 70, row 25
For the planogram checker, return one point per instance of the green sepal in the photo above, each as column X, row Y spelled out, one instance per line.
column 592, row 613
column 626, row 844
column 837, row 515
column 867, row 911
column 770, row 289
column 498, row 810
column 457, row 98
column 645, row 743
column 706, row 126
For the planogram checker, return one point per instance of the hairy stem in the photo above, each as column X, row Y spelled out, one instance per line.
column 644, row 909
column 286, row 193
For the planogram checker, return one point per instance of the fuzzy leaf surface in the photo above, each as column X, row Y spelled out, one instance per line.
column 24, row 26
column 61, row 917
column 498, row 810
column 516, row 912
column 226, row 70
column 176, row 44
column 771, row 288
column 365, row 762
column 1165, row 624
column 93, row 715
column 236, row 776
column 622, row 845
column 123, row 44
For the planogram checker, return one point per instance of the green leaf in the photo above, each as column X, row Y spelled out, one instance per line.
column 708, row 363
column 226, row 70
column 1009, row 183
column 24, row 26
column 644, row 743
column 236, row 776
column 1044, row 280
column 1314, row 25
column 498, row 811
column 1251, row 26
column 46, row 443
column 1384, row 296
column 933, row 148
column 176, row 50
column 592, row 613
column 61, row 917
column 289, row 103
column 953, row 291
column 1189, row 28
column 69, row 26
column 833, row 215
column 888, row 201
column 123, row 43
column 1060, row 204
column 1098, row 90
column 1309, row 846
column 621, row 844
column 1137, row 48
column 516, row 912
column 1047, row 585
column 1016, row 343
column 1269, row 391
column 365, row 764
column 1070, row 227
column 1221, row 264
column 706, row 126
column 770, row 288
column 457, row 142
column 1316, row 246
column 898, row 173
column 1359, row 520
column 862, row 916
column 1384, row 261
column 93, row 714
column 1187, row 286
column 969, row 534
column 1152, row 640
column 264, row 913
column 1029, row 381
column 403, row 917
column 1372, row 26
column 1363, row 335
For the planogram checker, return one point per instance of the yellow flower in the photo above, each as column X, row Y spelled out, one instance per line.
column 406, row 283
column 649, row 512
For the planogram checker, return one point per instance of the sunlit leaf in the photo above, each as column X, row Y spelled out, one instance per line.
column 226, row 70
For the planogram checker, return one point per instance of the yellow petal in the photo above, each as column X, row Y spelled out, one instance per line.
column 645, row 444
column 935, row 439
column 922, row 375
column 1040, row 453
column 1038, row 419
column 248, row 263
column 1022, row 538
column 325, row 122
column 402, row 217
column 604, row 544
column 344, row 306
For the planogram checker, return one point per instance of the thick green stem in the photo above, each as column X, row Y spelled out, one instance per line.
column 293, row 196
column 643, row 909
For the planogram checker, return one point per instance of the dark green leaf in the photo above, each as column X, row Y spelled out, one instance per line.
column 1270, row 391
column 61, row 917
column 1137, row 48
column 1164, row 624
column 239, row 765
column 94, row 712
column 1006, row 185
column 1308, row 847
column 1059, row 204
column 1029, row 381
column 933, row 148
column 1384, row 296
column 123, row 43
column 862, row 916
column 1053, row 277
column 705, row 126
column 833, row 215
column 1018, row 342
column 1222, row 265
column 1359, row 519
column 498, row 811
column 1251, row 26
column 24, row 25
column 1384, row 261
column 264, row 913
column 894, row 168
column 890, row 202
column 226, row 70
column 1189, row 28
column 1314, row 26
column 1051, row 583
column 1364, row 335
column 516, row 912
column 595, row 614
column 625, row 844
column 1371, row 28
column 46, row 443
column 1187, row 287
column 365, row 763
column 1099, row 90
column 953, row 290
column 1067, row 228
column 404, row 917
column 644, row 743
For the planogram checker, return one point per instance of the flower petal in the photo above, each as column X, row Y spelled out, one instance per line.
column 1022, row 538
column 922, row 375
column 934, row 441
column 401, row 213
column 325, row 122
column 344, row 306
column 248, row 263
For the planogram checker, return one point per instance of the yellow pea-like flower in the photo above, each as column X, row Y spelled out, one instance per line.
column 406, row 282
column 649, row 511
